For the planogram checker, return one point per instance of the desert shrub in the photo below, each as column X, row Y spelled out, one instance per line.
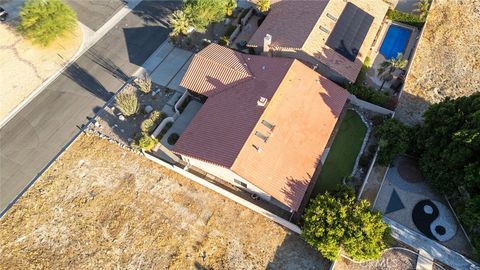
column 147, row 143
column 406, row 18
column 263, row 5
column 157, row 116
column 43, row 21
column 144, row 84
column 147, row 125
column 127, row 101
column 224, row 41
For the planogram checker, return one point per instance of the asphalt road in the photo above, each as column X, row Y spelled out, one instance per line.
column 41, row 129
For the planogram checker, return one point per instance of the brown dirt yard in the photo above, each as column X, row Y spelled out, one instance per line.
column 24, row 66
column 447, row 61
column 101, row 207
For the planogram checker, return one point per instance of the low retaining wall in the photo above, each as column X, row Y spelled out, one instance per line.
column 165, row 121
column 221, row 191
column 369, row 106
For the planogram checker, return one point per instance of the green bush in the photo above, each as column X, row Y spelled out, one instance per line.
column 147, row 125
column 127, row 101
column 224, row 41
column 394, row 138
column 43, row 21
column 147, row 143
column 201, row 13
column 335, row 222
column 368, row 94
column 406, row 18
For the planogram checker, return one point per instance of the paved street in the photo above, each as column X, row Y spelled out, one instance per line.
column 40, row 130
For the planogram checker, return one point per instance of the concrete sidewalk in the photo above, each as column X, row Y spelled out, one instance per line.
column 436, row 250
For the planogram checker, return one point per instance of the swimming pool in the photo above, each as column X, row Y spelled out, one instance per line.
column 395, row 41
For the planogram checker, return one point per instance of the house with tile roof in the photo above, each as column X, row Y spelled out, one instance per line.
column 335, row 36
column 264, row 125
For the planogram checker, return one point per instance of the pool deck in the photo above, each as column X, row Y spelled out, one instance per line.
column 378, row 58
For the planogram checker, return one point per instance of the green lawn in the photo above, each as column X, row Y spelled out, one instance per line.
column 342, row 155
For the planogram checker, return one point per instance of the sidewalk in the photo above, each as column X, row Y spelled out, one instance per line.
column 89, row 39
column 437, row 251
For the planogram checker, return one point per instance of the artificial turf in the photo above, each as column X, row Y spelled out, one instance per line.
column 343, row 153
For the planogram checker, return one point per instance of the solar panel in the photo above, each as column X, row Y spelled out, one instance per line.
column 350, row 31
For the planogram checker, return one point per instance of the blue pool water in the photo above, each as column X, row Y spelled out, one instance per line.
column 395, row 41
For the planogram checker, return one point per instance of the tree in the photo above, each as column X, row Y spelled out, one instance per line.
column 449, row 147
column 336, row 222
column 263, row 5
column 394, row 138
column 43, row 21
column 422, row 8
column 179, row 23
column 201, row 13
column 386, row 69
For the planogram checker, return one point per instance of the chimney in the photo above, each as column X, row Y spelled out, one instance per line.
column 267, row 41
column 262, row 101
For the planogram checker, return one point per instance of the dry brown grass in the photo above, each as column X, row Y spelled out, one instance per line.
column 24, row 66
column 447, row 61
column 100, row 206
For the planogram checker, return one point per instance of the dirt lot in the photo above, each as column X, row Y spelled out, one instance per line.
column 392, row 259
column 99, row 206
column 446, row 62
column 24, row 66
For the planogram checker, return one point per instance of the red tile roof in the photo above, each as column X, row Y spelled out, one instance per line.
column 303, row 106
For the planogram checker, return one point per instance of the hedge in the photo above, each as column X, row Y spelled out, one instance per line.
column 368, row 94
column 405, row 17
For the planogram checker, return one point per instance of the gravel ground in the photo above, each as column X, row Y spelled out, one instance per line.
column 100, row 206
column 24, row 66
column 446, row 63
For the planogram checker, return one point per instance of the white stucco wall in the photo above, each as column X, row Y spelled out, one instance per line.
column 226, row 175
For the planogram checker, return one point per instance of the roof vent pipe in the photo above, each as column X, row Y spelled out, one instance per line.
column 267, row 41
column 262, row 101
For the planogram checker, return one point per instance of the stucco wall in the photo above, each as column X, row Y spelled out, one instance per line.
column 226, row 175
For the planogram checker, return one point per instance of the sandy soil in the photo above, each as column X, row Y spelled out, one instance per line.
column 446, row 62
column 100, row 206
column 394, row 259
column 24, row 66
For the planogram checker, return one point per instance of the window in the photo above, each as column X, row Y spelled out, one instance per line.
column 324, row 29
column 261, row 136
column 268, row 125
column 331, row 17
column 238, row 182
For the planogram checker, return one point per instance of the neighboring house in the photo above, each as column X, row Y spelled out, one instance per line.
column 334, row 35
column 265, row 123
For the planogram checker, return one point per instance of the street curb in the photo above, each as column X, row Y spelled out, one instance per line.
column 42, row 86
column 64, row 148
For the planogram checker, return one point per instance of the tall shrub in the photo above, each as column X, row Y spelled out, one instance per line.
column 394, row 138
column 43, row 21
column 201, row 13
column 336, row 222
column 127, row 101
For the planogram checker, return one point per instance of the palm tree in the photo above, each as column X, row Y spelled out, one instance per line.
column 386, row 69
column 422, row 7
column 179, row 23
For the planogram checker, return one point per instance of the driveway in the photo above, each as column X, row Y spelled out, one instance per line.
column 40, row 130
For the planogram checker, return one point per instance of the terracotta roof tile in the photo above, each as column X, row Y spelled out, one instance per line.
column 303, row 106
